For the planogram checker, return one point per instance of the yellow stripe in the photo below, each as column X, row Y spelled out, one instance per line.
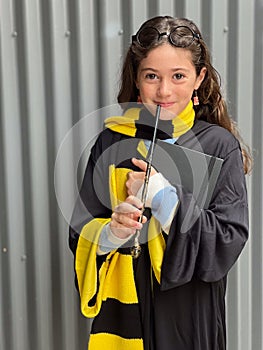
column 124, row 124
column 116, row 279
column 118, row 178
column 184, row 121
column 142, row 149
column 120, row 277
column 156, row 245
column 86, row 267
column 119, row 283
column 101, row 341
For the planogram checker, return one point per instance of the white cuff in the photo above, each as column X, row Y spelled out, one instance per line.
column 156, row 183
column 108, row 241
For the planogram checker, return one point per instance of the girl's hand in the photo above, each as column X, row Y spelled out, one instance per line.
column 135, row 179
column 124, row 219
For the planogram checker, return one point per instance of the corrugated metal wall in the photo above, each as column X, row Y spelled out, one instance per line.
column 59, row 61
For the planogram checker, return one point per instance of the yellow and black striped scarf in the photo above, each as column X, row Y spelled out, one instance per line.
column 139, row 121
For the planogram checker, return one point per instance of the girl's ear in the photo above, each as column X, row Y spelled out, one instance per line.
column 200, row 78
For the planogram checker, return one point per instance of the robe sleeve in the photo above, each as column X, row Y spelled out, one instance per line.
column 92, row 202
column 206, row 243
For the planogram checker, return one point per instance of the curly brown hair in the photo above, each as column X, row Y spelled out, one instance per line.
column 212, row 106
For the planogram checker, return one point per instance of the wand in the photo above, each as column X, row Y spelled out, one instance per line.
column 136, row 249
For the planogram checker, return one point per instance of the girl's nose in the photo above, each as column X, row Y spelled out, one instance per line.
column 164, row 88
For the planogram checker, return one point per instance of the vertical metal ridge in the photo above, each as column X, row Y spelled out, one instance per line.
column 152, row 8
column 232, row 60
column 5, row 299
column 15, row 197
column 36, row 113
column 89, row 98
column 206, row 21
column 110, row 46
column 180, row 8
column 139, row 13
column 245, row 108
column 60, row 39
column 165, row 8
column 128, row 22
column 193, row 10
column 53, row 229
column 257, row 188
column 219, row 39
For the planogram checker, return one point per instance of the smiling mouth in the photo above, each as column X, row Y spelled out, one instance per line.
column 165, row 104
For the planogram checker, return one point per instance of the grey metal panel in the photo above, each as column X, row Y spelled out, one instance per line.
column 165, row 7
column 110, row 49
column 219, row 38
column 13, row 174
column 5, row 319
column 245, row 109
column 59, row 62
column 38, row 171
column 87, row 38
column 257, row 189
column 193, row 10
column 60, row 39
column 232, row 59
column 138, row 13
column 180, row 8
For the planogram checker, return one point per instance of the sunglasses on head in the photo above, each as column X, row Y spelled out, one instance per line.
column 181, row 36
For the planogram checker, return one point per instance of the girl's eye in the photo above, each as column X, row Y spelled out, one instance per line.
column 178, row 76
column 151, row 76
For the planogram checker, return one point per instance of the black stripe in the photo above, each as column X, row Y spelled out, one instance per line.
column 119, row 319
column 146, row 123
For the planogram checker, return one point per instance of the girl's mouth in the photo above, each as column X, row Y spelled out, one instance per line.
column 165, row 104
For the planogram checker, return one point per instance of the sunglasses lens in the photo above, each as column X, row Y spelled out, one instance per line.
column 182, row 36
column 147, row 36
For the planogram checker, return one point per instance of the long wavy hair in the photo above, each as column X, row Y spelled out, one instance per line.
column 212, row 106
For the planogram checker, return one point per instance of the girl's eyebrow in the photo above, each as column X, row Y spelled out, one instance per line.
column 149, row 68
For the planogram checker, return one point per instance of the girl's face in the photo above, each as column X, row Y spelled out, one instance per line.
column 167, row 77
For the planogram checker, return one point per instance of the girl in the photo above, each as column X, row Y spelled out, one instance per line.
column 173, row 295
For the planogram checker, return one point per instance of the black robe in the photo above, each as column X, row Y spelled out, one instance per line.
column 186, row 311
